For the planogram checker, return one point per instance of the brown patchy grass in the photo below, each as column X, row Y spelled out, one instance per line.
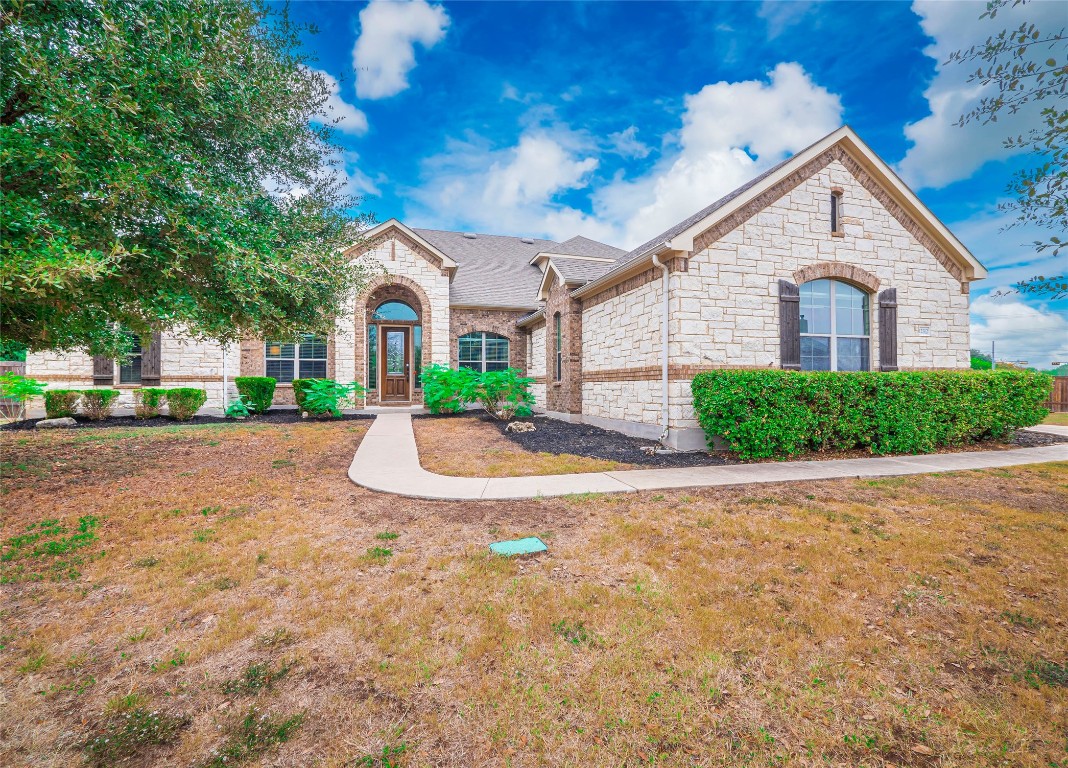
column 1059, row 419
column 472, row 448
column 906, row 621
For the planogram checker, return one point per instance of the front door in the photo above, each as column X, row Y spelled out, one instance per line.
column 396, row 364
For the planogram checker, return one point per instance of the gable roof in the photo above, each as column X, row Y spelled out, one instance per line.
column 494, row 270
column 680, row 237
column 583, row 246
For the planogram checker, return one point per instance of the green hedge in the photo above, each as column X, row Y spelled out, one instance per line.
column 61, row 403
column 773, row 413
column 256, row 391
column 97, row 403
column 300, row 388
column 184, row 402
column 148, row 401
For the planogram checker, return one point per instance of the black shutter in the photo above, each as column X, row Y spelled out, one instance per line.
column 888, row 330
column 103, row 371
column 150, row 363
column 790, row 325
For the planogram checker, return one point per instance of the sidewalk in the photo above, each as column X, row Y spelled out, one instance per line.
column 388, row 461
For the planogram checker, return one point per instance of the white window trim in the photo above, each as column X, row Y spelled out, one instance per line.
column 834, row 335
column 297, row 359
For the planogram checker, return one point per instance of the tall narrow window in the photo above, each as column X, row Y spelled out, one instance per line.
column 372, row 357
column 835, row 326
column 130, row 365
column 482, row 351
column 305, row 359
column 559, row 341
column 836, row 212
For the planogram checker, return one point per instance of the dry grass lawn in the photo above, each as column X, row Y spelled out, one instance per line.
column 471, row 448
column 226, row 570
column 1060, row 419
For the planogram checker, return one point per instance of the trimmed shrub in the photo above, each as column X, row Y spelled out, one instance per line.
column 15, row 391
column 300, row 388
column 257, row 392
column 184, row 402
column 773, row 413
column 97, row 403
column 148, row 401
column 448, row 390
column 61, row 403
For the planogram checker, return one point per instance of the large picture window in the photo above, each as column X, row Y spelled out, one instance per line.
column 835, row 327
column 305, row 359
column 482, row 351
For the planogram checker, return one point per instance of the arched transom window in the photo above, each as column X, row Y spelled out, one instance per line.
column 835, row 327
column 481, row 351
column 395, row 310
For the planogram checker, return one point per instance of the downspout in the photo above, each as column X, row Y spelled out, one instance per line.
column 226, row 377
column 663, row 351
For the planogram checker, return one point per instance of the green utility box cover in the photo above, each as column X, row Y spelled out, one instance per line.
column 527, row 546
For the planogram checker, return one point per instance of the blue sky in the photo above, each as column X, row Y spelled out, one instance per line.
column 615, row 120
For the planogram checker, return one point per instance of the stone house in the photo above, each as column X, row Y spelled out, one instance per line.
column 826, row 261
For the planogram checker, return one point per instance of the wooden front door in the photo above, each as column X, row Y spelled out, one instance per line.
column 396, row 364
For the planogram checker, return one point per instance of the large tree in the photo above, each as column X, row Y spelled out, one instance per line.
column 1028, row 65
column 165, row 165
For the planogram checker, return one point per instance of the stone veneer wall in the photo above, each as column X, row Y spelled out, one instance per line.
column 565, row 395
column 538, row 359
column 184, row 362
column 502, row 322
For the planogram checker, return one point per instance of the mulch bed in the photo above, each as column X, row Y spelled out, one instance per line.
column 273, row 416
column 557, row 437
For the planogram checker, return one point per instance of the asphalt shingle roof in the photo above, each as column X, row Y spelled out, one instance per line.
column 581, row 270
column 583, row 246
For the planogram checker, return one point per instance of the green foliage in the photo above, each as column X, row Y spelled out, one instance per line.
column 256, row 677
column 238, row 409
column 326, row 396
column 166, row 164
column 389, row 757
column 15, row 392
column 980, row 361
column 12, row 350
column 443, row 388
column 48, row 550
column 124, row 734
column 97, row 403
column 61, row 403
column 148, row 401
column 784, row 413
column 253, row 736
column 184, row 402
column 300, row 387
column 502, row 394
column 256, row 391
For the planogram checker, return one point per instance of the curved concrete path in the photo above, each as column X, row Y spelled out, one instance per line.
column 388, row 461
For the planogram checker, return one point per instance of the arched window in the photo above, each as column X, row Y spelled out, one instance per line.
column 395, row 310
column 481, row 351
column 835, row 327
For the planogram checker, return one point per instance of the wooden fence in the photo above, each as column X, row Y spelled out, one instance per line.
column 1058, row 400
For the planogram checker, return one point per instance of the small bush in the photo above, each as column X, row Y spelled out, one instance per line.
column 256, row 391
column 184, row 402
column 15, row 391
column 785, row 413
column 326, row 396
column 503, row 394
column 148, row 401
column 97, row 403
column 61, row 403
column 238, row 409
column 300, row 389
column 448, row 390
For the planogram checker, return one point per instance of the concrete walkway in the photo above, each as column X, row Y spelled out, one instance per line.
column 388, row 461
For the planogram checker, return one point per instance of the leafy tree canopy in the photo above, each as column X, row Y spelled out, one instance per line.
column 1029, row 65
column 161, row 169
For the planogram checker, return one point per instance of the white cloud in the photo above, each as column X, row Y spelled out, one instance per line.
column 626, row 143
column 338, row 112
column 1034, row 333
column 780, row 14
column 943, row 152
column 384, row 53
column 730, row 133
